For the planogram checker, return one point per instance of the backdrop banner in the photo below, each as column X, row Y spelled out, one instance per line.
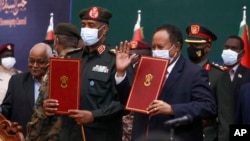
column 25, row 23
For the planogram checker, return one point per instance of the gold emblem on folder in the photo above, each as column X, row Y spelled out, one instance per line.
column 148, row 79
column 64, row 81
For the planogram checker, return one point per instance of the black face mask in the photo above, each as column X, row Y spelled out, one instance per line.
column 194, row 53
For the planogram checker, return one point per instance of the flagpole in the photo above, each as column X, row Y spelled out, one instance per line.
column 138, row 35
column 139, row 16
column 243, row 33
column 244, row 16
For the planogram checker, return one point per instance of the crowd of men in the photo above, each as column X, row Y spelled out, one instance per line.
column 212, row 96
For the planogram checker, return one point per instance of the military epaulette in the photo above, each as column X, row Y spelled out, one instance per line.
column 113, row 51
column 73, row 50
column 218, row 66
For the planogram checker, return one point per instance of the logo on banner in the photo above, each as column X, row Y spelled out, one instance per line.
column 11, row 9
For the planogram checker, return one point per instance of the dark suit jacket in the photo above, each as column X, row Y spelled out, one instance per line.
column 19, row 100
column 227, row 94
column 243, row 108
column 187, row 91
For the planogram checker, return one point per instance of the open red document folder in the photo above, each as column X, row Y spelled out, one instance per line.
column 147, row 85
column 64, row 83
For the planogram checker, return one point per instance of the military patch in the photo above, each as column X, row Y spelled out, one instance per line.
column 99, row 68
column 207, row 67
column 9, row 47
column 133, row 44
column 220, row 67
column 101, row 49
column 94, row 13
column 198, row 53
column 195, row 29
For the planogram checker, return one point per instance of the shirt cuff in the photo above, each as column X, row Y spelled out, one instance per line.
column 118, row 80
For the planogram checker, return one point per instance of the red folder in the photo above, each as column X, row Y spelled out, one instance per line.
column 149, row 78
column 64, row 83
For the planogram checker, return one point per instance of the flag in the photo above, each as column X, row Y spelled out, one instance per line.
column 243, row 33
column 138, row 32
column 50, row 33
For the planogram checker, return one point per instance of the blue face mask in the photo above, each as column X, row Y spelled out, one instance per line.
column 230, row 57
column 90, row 35
column 163, row 54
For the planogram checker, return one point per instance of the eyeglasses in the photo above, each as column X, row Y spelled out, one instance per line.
column 39, row 62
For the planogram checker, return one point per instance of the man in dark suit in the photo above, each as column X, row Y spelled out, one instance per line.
column 41, row 127
column 227, row 87
column 200, row 40
column 185, row 92
column 243, row 108
column 23, row 88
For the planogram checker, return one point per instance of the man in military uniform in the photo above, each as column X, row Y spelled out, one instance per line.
column 200, row 41
column 41, row 128
column 7, row 62
column 104, row 84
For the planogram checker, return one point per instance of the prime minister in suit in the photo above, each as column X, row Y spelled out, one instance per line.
column 185, row 92
column 23, row 88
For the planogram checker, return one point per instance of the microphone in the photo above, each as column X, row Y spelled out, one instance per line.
column 187, row 119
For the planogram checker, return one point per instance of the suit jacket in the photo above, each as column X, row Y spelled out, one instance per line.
column 187, row 91
column 19, row 100
column 243, row 109
column 227, row 94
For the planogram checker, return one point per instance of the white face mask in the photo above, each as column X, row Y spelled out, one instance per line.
column 229, row 57
column 163, row 54
column 90, row 35
column 8, row 62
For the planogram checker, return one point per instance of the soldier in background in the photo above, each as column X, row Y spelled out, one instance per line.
column 200, row 41
column 7, row 62
column 140, row 48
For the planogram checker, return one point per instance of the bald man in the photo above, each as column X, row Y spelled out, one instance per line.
column 23, row 88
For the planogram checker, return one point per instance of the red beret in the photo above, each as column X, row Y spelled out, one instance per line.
column 139, row 45
column 8, row 46
column 199, row 34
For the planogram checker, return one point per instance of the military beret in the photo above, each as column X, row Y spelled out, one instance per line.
column 67, row 29
column 96, row 13
column 139, row 45
column 7, row 46
column 198, row 34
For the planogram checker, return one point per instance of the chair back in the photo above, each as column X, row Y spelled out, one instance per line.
column 10, row 131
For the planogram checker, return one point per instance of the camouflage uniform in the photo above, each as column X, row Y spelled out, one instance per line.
column 41, row 127
column 127, row 122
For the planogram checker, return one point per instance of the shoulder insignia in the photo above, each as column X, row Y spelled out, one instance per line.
column 101, row 49
column 218, row 66
column 207, row 67
column 112, row 51
column 74, row 50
